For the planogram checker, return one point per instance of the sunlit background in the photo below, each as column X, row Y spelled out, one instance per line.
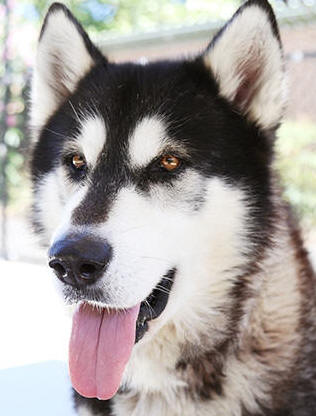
column 34, row 328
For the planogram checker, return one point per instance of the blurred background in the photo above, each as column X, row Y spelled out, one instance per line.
column 137, row 30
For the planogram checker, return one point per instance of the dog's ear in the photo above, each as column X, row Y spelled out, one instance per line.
column 65, row 54
column 246, row 59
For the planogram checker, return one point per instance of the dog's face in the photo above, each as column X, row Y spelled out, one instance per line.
column 152, row 183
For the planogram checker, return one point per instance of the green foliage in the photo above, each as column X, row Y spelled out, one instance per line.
column 296, row 161
column 141, row 15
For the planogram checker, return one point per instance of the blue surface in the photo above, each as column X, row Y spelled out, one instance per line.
column 41, row 389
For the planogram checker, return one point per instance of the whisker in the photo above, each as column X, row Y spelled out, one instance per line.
column 168, row 278
column 74, row 110
column 151, row 310
column 163, row 289
column 54, row 132
column 154, row 258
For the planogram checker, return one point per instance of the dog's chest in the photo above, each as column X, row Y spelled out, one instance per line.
column 154, row 405
column 158, row 405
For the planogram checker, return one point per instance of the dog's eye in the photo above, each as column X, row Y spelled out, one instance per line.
column 170, row 162
column 76, row 166
column 78, row 162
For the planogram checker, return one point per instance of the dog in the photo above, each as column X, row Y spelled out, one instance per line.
column 155, row 192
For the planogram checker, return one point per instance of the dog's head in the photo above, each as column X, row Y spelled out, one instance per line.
column 152, row 182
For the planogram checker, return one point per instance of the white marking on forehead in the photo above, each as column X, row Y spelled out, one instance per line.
column 92, row 138
column 147, row 141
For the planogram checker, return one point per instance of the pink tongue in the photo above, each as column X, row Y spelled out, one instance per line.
column 100, row 346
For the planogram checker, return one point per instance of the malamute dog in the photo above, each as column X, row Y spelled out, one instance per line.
column 154, row 190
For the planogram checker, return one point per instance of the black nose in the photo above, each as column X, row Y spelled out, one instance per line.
column 79, row 260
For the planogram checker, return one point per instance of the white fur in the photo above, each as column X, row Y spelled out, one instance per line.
column 249, row 41
column 91, row 139
column 151, row 368
column 84, row 411
column 49, row 202
column 150, row 236
column 56, row 199
column 173, row 239
column 200, row 226
column 61, row 45
column 199, row 218
column 147, row 141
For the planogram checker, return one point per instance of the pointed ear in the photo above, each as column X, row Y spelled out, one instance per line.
column 246, row 59
column 65, row 54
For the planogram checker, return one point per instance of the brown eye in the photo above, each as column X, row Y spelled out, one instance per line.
column 170, row 162
column 78, row 162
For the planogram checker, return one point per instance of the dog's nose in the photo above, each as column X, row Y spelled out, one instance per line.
column 79, row 260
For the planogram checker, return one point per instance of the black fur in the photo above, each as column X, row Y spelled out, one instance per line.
column 212, row 137
column 222, row 143
column 218, row 140
column 102, row 407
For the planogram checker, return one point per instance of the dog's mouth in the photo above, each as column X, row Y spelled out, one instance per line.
column 102, row 340
column 154, row 304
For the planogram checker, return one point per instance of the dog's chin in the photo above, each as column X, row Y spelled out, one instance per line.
column 150, row 308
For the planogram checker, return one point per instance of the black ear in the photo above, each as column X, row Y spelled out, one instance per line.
column 247, row 61
column 65, row 54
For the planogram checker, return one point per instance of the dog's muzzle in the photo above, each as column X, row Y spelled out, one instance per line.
column 80, row 260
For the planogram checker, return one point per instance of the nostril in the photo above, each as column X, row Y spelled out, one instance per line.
column 88, row 270
column 59, row 268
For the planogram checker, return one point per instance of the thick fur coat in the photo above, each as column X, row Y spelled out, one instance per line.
column 236, row 334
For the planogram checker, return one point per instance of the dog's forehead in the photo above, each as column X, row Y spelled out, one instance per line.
column 145, row 140
column 140, row 114
column 138, row 108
